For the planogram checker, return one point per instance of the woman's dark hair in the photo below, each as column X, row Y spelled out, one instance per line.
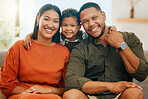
column 56, row 37
column 70, row 12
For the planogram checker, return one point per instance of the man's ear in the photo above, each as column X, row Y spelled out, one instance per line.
column 104, row 15
column 37, row 19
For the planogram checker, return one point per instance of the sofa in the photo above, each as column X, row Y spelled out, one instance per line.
column 143, row 84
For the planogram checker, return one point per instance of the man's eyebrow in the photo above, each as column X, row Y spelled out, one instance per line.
column 83, row 20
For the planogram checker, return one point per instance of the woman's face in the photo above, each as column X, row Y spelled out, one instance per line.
column 48, row 24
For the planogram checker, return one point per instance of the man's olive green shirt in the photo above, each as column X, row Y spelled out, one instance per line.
column 90, row 61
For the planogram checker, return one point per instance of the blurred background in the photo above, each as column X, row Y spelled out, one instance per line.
column 17, row 17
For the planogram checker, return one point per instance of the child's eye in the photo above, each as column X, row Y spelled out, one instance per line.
column 56, row 21
column 72, row 25
column 64, row 25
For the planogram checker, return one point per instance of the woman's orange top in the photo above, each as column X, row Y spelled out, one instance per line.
column 42, row 65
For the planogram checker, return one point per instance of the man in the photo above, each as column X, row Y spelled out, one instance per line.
column 103, row 65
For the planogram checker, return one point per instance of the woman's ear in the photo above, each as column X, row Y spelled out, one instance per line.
column 104, row 15
column 37, row 19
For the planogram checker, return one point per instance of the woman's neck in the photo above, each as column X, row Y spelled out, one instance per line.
column 44, row 42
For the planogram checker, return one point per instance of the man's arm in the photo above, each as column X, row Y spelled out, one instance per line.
column 132, row 61
column 92, row 87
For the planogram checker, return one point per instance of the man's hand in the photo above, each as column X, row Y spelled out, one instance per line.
column 114, row 38
column 120, row 86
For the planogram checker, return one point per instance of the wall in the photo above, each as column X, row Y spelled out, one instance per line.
column 121, row 9
column 28, row 14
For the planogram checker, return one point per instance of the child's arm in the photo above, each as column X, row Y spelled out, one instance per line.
column 27, row 41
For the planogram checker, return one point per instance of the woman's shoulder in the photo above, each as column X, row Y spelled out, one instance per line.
column 18, row 43
column 61, row 47
column 15, row 48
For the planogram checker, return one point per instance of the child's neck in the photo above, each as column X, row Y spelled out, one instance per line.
column 72, row 39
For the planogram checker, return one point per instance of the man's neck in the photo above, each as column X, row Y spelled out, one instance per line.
column 101, row 40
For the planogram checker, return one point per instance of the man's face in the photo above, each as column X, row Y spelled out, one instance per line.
column 93, row 21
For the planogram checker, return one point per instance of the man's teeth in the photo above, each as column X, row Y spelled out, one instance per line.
column 94, row 29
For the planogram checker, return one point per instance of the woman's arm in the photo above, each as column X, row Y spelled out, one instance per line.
column 18, row 90
column 45, row 90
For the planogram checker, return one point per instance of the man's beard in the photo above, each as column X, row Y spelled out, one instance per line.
column 99, row 35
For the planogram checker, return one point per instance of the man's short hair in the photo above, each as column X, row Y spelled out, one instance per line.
column 89, row 5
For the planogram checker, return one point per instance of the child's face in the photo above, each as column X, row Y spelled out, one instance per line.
column 70, row 28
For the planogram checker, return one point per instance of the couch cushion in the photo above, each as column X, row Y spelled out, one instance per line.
column 2, row 56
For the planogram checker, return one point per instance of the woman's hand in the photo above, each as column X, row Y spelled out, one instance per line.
column 38, row 89
column 27, row 41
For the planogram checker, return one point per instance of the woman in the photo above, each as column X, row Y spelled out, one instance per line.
column 40, row 71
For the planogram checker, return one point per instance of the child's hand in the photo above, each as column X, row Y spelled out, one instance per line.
column 27, row 42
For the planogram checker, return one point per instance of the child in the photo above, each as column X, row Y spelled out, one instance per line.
column 71, row 35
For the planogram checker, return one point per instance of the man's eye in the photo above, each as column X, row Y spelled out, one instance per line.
column 94, row 18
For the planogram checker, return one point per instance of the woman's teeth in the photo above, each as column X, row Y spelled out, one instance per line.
column 48, row 30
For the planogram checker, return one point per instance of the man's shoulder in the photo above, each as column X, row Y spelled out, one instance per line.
column 84, row 42
column 128, row 35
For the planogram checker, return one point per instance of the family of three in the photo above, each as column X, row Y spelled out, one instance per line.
column 100, row 66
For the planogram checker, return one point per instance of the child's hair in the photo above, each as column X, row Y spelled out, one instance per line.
column 70, row 12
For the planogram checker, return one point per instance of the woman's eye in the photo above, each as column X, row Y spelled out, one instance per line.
column 72, row 25
column 46, row 19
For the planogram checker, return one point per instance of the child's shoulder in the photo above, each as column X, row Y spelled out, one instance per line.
column 84, row 35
